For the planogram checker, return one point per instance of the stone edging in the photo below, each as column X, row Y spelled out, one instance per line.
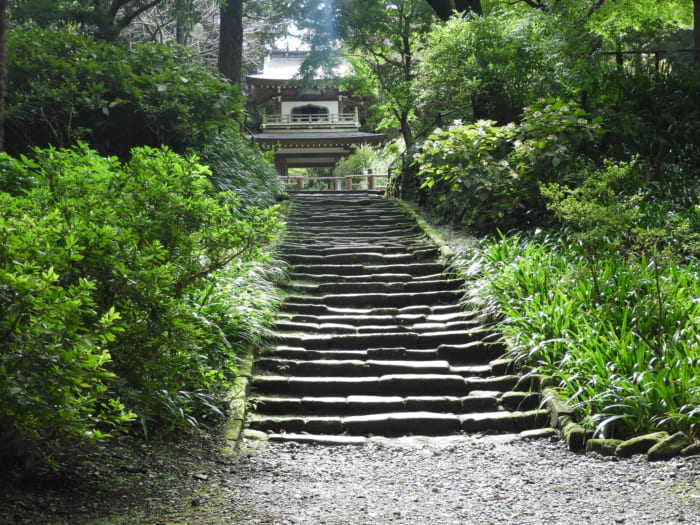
column 563, row 418
column 238, row 404
column 445, row 251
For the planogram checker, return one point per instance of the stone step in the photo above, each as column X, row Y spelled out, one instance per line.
column 352, row 235
column 422, row 423
column 368, row 287
column 390, row 384
column 338, row 221
column 369, row 257
column 402, row 236
column 376, row 277
column 477, row 401
column 364, row 319
column 414, row 269
column 476, row 353
column 351, row 248
column 378, row 299
column 283, row 326
column 447, row 339
column 309, row 308
column 359, row 367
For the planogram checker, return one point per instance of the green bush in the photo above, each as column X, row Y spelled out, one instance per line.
column 99, row 263
column 484, row 176
column 491, row 66
column 64, row 87
column 608, row 308
column 650, row 112
column 238, row 166
column 624, row 352
column 54, row 376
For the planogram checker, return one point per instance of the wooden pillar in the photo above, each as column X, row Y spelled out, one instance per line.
column 281, row 165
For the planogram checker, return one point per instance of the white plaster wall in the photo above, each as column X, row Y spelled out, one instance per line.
column 332, row 105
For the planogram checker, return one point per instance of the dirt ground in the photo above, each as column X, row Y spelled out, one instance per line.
column 456, row 480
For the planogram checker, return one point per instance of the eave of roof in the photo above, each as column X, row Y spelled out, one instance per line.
column 325, row 136
column 284, row 66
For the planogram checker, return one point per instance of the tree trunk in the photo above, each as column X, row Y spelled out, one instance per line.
column 445, row 8
column 4, row 29
column 231, row 40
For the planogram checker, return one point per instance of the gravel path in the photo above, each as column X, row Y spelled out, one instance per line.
column 489, row 480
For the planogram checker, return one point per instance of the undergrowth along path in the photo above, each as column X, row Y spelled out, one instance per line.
column 371, row 339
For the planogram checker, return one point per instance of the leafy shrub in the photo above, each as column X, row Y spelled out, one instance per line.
column 64, row 87
column 54, row 351
column 651, row 113
column 624, row 353
column 608, row 307
column 491, row 66
column 485, row 176
column 99, row 262
column 238, row 166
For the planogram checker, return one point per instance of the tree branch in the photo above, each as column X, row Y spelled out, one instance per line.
column 595, row 7
column 130, row 16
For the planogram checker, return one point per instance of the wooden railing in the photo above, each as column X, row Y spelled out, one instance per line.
column 332, row 120
column 371, row 181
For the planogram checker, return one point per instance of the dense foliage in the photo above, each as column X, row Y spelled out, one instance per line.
column 134, row 268
column 589, row 161
column 104, row 266
column 485, row 176
column 64, row 87
column 617, row 333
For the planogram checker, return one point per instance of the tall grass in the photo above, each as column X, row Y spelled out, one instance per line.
column 619, row 335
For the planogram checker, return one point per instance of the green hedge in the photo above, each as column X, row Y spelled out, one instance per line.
column 64, row 87
column 102, row 268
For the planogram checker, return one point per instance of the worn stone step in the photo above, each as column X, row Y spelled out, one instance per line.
column 360, row 241
column 358, row 367
column 376, row 277
column 404, row 319
column 373, row 404
column 283, row 326
column 449, row 340
column 334, row 230
column 310, row 308
column 415, row 269
column 368, row 287
column 349, row 247
column 315, row 321
column 368, row 257
column 396, row 384
column 476, row 354
column 404, row 423
column 515, row 421
column 379, row 300
column 297, row 352
column 339, row 222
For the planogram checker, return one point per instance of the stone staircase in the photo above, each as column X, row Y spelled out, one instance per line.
column 371, row 340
